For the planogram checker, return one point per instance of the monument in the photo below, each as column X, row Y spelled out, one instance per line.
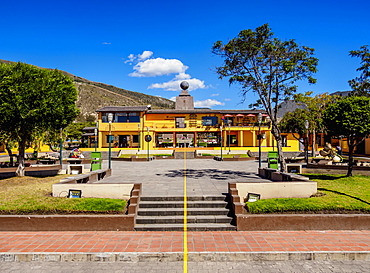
column 184, row 101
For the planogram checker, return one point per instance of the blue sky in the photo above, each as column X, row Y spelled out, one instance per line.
column 148, row 46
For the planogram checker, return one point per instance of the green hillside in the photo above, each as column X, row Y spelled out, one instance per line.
column 95, row 95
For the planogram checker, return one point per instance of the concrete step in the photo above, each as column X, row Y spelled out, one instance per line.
column 180, row 227
column 180, row 211
column 181, row 198
column 180, row 204
column 178, row 219
column 167, row 213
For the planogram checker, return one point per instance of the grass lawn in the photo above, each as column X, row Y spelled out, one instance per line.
column 336, row 194
column 143, row 155
column 32, row 195
column 227, row 155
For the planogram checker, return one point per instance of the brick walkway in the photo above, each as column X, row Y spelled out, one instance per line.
column 160, row 242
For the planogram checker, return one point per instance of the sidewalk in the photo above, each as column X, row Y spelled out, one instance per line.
column 168, row 246
column 165, row 177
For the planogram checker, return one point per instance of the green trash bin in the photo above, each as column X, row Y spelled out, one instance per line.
column 273, row 160
column 96, row 161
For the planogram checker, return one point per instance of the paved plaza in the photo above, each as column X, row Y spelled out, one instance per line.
column 211, row 251
column 166, row 177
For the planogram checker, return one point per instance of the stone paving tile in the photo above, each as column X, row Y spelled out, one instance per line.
column 219, row 241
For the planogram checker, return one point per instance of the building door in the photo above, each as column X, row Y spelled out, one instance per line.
column 124, row 141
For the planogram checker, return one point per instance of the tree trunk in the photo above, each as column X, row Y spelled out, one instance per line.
column 10, row 153
column 313, row 142
column 21, row 150
column 277, row 135
column 351, row 148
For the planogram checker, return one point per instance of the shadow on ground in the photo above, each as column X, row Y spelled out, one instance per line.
column 210, row 173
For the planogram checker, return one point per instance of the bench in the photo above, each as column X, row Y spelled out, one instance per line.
column 279, row 176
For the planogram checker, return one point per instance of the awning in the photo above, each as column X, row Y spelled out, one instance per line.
column 265, row 115
column 228, row 115
column 250, row 115
column 240, row 115
column 88, row 134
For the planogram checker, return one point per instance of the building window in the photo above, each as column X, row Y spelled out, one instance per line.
column 209, row 121
column 123, row 117
column 180, row 122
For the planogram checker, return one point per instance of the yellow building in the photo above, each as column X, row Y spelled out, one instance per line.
column 143, row 128
column 198, row 128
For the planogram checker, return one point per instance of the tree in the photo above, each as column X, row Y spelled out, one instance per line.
column 294, row 123
column 349, row 117
column 315, row 107
column 361, row 84
column 268, row 66
column 33, row 101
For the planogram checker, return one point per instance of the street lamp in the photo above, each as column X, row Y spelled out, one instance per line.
column 306, row 125
column 259, row 118
column 61, row 147
column 96, row 135
column 221, row 142
column 229, row 136
column 148, row 139
column 110, row 119
column 138, row 136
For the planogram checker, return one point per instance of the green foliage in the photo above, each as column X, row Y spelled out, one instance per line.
column 33, row 101
column 314, row 108
column 349, row 117
column 268, row 66
column 361, row 84
column 336, row 194
column 74, row 130
column 294, row 122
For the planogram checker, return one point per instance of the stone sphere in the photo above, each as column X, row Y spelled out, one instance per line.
column 336, row 159
column 184, row 85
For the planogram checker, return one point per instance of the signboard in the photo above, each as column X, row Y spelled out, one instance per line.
column 74, row 194
column 148, row 138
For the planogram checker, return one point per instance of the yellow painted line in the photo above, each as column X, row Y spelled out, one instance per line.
column 185, row 220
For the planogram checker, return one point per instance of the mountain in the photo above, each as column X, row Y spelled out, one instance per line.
column 95, row 95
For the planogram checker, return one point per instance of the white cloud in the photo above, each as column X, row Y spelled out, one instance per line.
column 173, row 99
column 208, row 103
column 105, row 43
column 215, row 95
column 146, row 66
column 145, row 55
column 131, row 58
column 158, row 67
column 227, row 99
column 174, row 84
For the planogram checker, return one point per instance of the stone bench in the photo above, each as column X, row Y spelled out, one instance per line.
column 279, row 176
column 266, row 172
column 90, row 177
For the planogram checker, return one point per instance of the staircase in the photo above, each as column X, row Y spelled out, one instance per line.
column 204, row 213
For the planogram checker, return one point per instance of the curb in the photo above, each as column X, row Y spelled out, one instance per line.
column 136, row 257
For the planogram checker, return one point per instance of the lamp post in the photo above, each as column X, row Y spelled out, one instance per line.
column 306, row 125
column 96, row 135
column 259, row 139
column 229, row 135
column 110, row 119
column 138, row 137
column 61, row 147
column 221, row 142
column 148, row 139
